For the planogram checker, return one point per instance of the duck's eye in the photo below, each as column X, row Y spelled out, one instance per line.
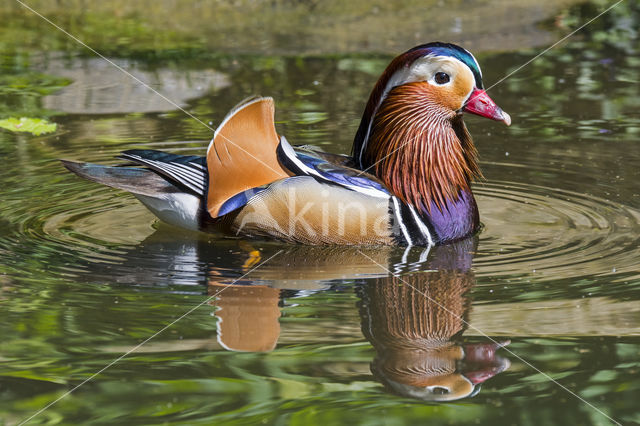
column 441, row 78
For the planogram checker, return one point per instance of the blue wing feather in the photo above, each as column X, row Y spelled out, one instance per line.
column 239, row 200
column 333, row 169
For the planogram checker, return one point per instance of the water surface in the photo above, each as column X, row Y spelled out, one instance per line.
column 325, row 335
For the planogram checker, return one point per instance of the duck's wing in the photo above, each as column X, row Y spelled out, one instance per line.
column 353, row 206
column 328, row 202
column 335, row 159
column 242, row 155
column 186, row 171
column 329, row 168
column 246, row 156
column 325, row 168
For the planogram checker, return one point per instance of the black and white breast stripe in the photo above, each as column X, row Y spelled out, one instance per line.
column 187, row 171
column 412, row 228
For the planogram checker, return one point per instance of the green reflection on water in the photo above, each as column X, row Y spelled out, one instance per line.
column 85, row 274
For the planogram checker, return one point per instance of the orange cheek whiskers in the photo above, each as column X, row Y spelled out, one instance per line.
column 421, row 156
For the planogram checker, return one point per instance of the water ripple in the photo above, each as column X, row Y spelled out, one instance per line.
column 553, row 233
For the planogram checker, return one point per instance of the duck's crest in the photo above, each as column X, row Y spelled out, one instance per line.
column 242, row 154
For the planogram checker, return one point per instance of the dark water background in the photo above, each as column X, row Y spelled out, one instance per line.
column 86, row 273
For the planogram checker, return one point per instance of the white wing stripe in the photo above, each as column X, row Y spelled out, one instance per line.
column 291, row 154
column 198, row 166
column 195, row 174
column 186, row 178
column 177, row 174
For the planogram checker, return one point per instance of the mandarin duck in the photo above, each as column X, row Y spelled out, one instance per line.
column 406, row 182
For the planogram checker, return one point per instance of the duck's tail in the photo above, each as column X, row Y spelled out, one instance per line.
column 170, row 201
column 132, row 179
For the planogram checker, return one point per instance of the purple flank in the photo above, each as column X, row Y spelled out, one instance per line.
column 459, row 219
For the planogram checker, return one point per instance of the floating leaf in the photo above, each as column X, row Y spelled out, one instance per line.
column 35, row 126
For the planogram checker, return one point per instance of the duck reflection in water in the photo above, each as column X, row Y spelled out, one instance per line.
column 248, row 316
column 414, row 319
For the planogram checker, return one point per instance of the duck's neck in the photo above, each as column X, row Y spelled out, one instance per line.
column 424, row 155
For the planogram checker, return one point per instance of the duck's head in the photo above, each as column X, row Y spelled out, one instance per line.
column 413, row 122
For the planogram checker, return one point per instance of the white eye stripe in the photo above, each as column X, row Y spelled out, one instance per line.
column 425, row 69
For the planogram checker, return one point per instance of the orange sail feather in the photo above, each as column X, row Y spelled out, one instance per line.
column 242, row 154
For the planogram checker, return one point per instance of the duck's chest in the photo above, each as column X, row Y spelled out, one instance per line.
column 456, row 220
